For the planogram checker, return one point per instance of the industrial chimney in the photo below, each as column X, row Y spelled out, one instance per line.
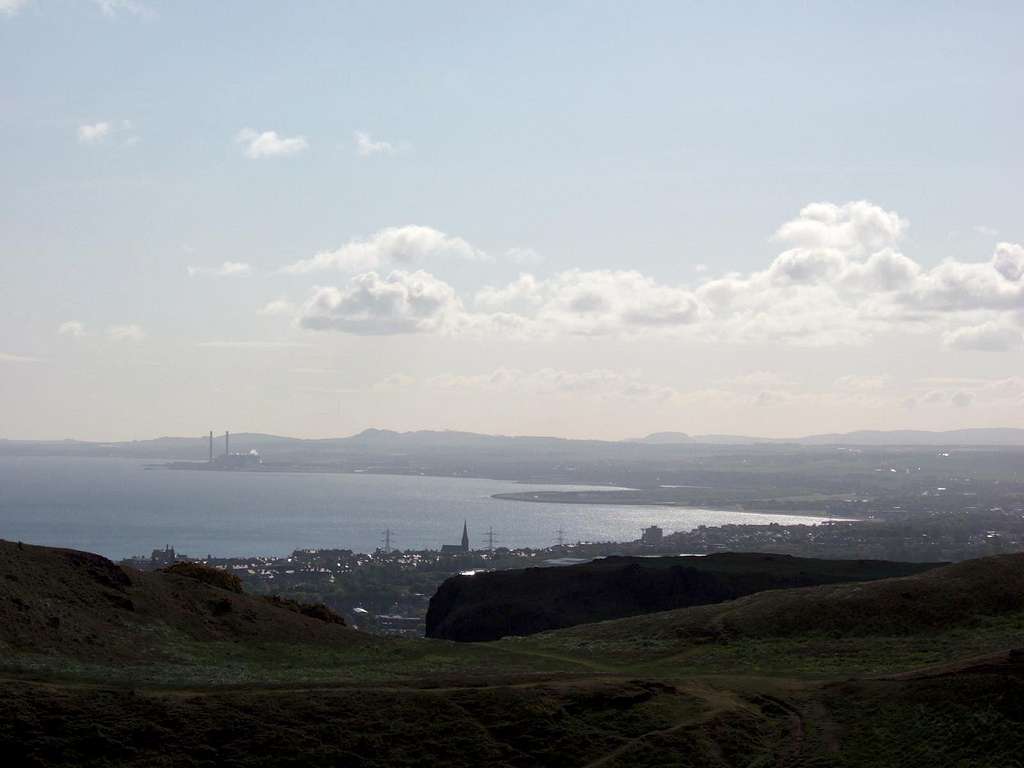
column 227, row 443
column 211, row 446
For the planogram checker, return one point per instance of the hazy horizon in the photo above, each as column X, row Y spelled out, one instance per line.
column 580, row 221
column 219, row 435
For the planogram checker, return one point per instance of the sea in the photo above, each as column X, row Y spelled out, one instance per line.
column 119, row 508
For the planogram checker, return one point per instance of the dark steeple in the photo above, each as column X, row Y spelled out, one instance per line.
column 465, row 537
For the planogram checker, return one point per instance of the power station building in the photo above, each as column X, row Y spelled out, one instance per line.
column 229, row 460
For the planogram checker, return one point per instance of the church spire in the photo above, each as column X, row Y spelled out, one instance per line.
column 465, row 537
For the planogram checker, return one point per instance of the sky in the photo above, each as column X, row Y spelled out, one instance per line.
column 584, row 219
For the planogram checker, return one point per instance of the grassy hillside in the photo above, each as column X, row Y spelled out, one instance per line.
column 911, row 671
column 972, row 607
column 487, row 606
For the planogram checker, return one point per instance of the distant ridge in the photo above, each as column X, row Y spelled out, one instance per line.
column 433, row 440
column 1006, row 436
column 662, row 438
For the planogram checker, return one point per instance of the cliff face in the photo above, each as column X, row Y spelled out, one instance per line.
column 488, row 606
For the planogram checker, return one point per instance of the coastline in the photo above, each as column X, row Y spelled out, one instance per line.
column 568, row 498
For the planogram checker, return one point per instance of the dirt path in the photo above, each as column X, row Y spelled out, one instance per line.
column 720, row 701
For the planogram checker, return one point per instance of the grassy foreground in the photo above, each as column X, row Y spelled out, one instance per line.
column 918, row 671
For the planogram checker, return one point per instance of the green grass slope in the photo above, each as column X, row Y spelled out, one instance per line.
column 488, row 606
column 972, row 607
column 843, row 675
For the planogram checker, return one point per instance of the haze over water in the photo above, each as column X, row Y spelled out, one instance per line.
column 117, row 508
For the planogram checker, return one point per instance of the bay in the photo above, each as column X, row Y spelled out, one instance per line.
column 118, row 508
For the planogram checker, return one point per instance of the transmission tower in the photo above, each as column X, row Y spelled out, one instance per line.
column 386, row 541
column 561, row 537
column 490, row 539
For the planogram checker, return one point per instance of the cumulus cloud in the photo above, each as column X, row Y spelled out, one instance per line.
column 73, row 328
column 256, row 145
column 394, row 246
column 1009, row 261
column 129, row 332
column 840, row 280
column 105, row 130
column 855, row 228
column 594, row 302
column 366, row 145
column 227, row 269
column 93, row 132
column 371, row 304
column 990, row 337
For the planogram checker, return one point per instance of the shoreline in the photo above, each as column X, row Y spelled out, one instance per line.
column 556, row 498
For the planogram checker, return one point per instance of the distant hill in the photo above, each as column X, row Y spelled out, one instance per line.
column 980, row 436
column 487, row 606
column 662, row 438
column 377, row 441
column 998, row 436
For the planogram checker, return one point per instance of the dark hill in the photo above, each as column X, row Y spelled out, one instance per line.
column 960, row 595
column 487, row 606
column 80, row 605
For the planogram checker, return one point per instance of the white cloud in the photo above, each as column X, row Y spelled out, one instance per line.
column 962, row 399
column 112, row 8
column 840, row 281
column 94, row 132
column 227, row 269
column 856, row 228
column 366, row 145
column 990, row 337
column 268, row 144
column 1009, row 261
column 985, row 231
column 72, row 328
column 105, row 130
column 594, row 302
column 126, row 333
column 371, row 304
column 11, row 7
column 522, row 294
column 394, row 246
column 278, row 307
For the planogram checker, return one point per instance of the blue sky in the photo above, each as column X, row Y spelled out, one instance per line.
column 647, row 166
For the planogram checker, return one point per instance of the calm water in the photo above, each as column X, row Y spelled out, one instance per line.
column 117, row 508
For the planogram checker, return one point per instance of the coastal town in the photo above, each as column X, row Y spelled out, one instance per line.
column 388, row 591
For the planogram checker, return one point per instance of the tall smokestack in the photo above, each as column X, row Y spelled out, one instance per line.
column 227, row 443
column 211, row 446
